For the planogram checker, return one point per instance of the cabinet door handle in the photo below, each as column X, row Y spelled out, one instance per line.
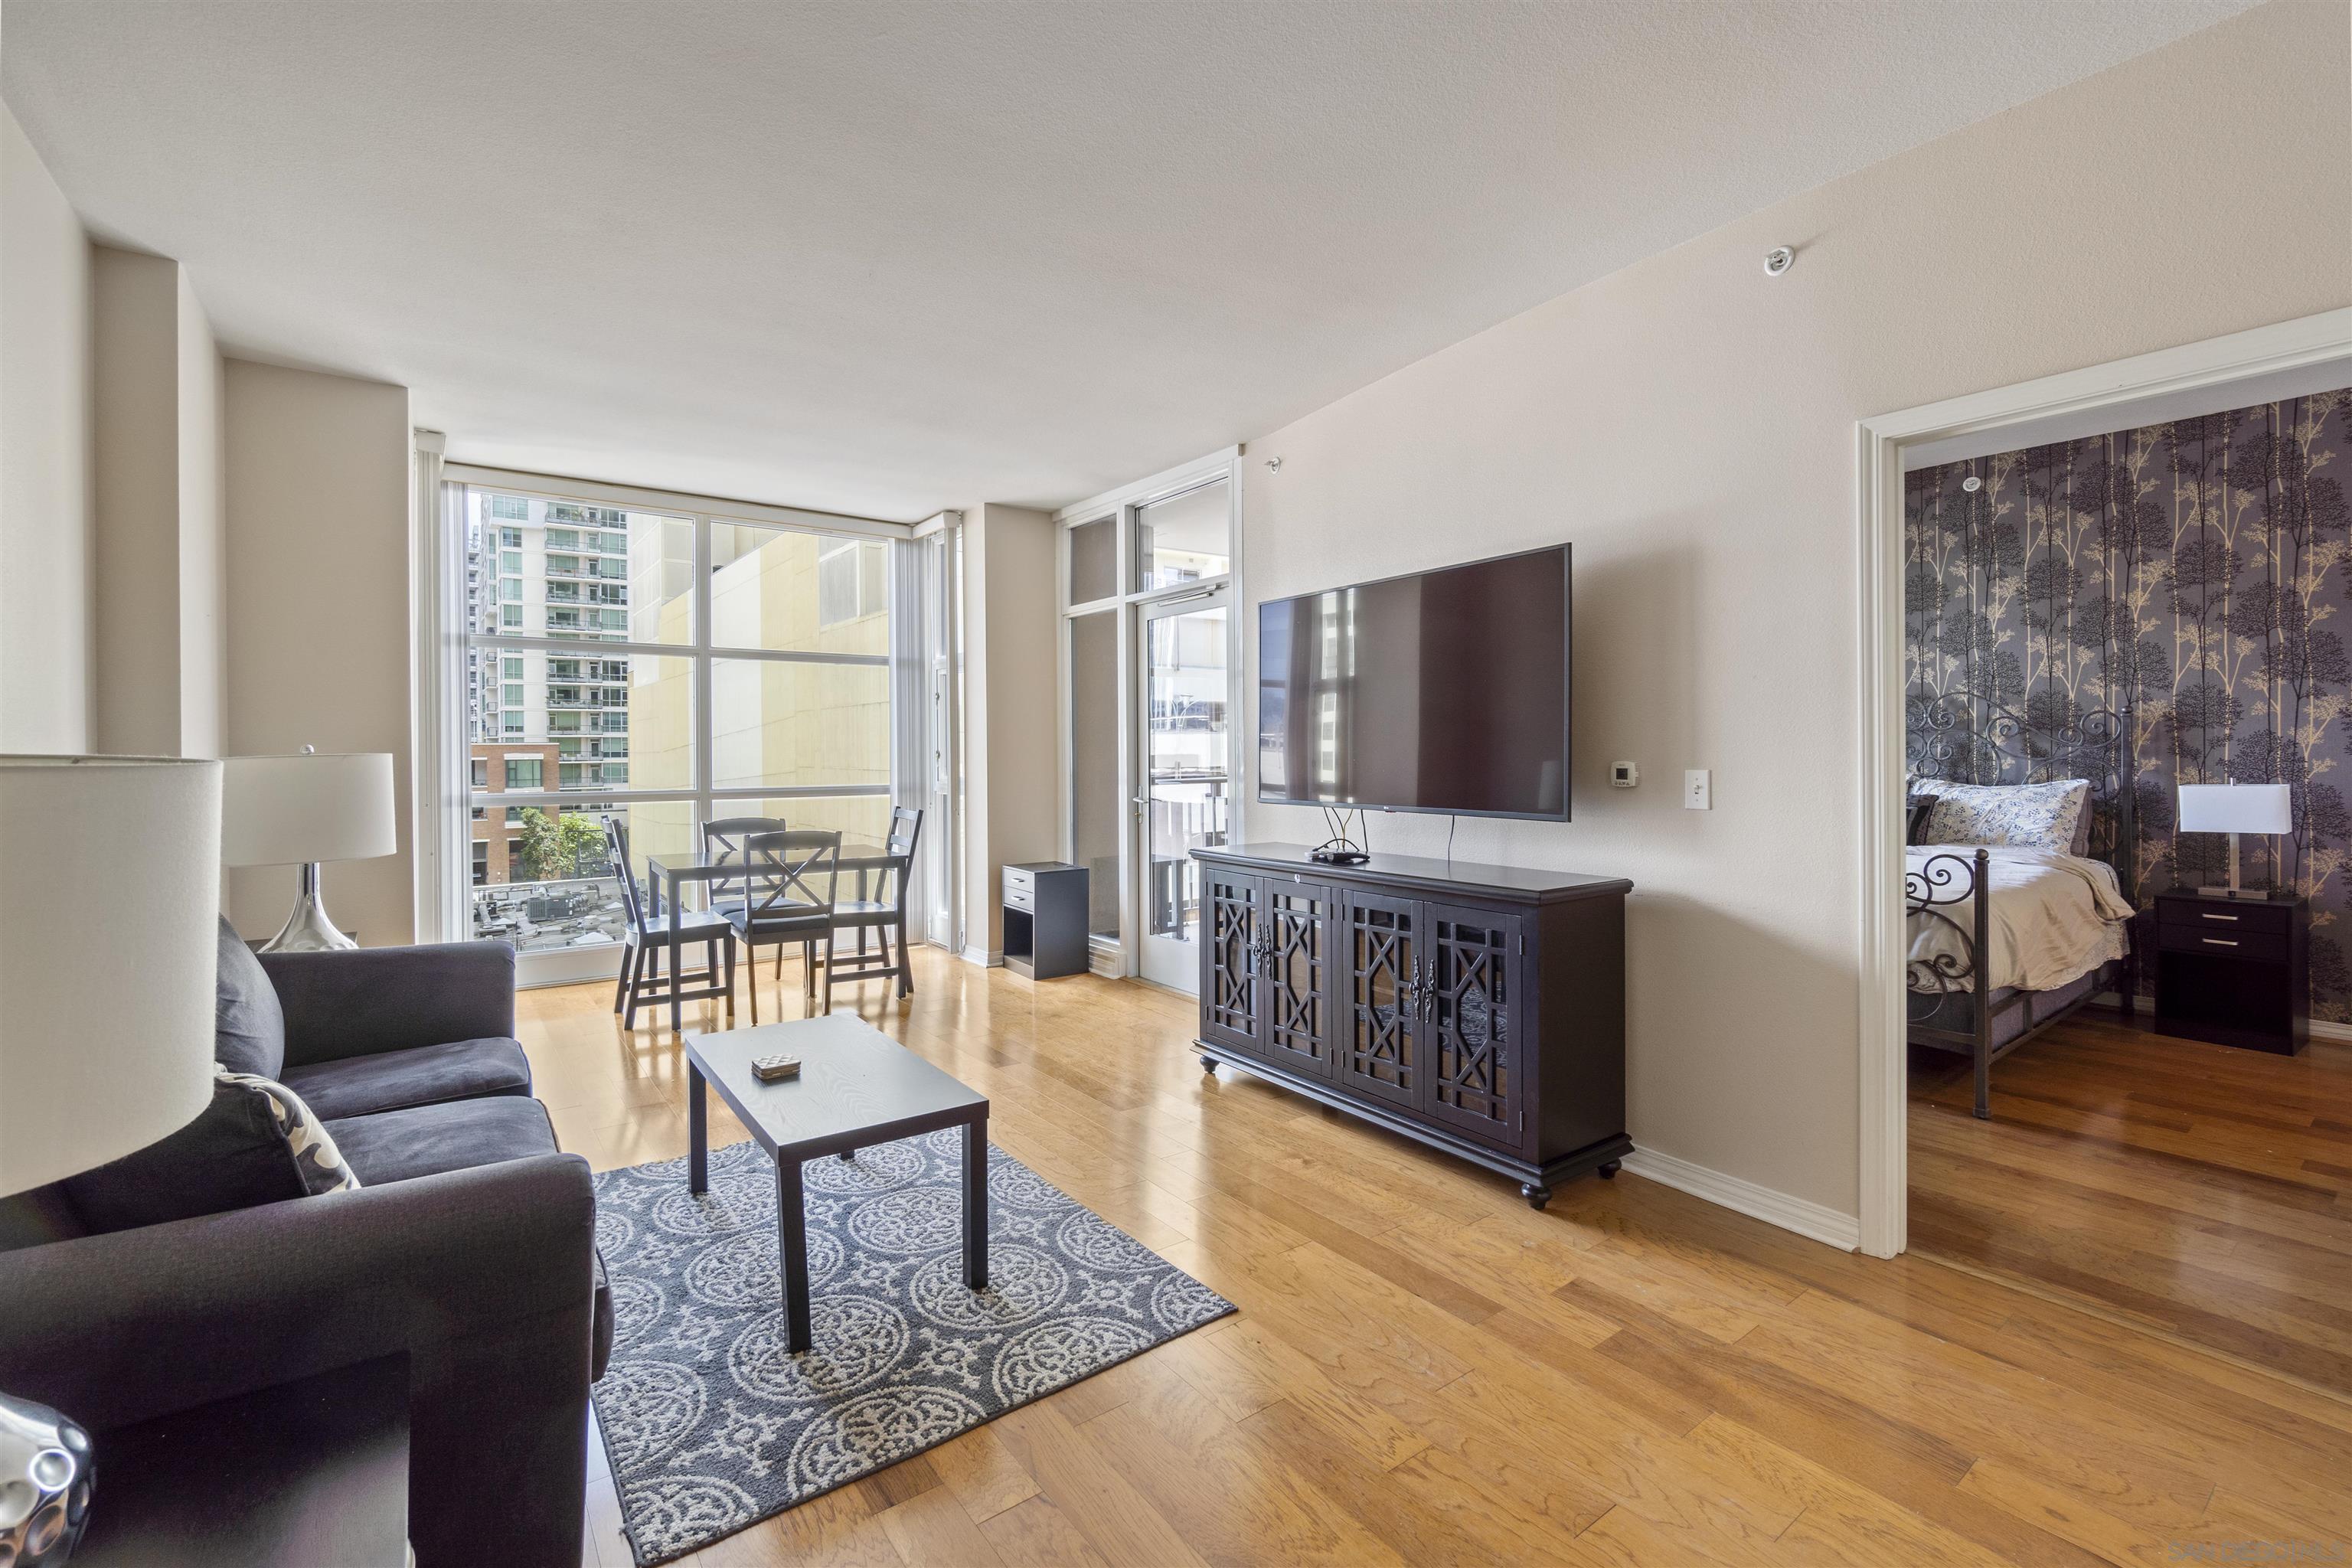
column 2219, row 941
column 2211, row 916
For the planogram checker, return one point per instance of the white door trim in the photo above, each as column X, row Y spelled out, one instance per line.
column 2120, row 395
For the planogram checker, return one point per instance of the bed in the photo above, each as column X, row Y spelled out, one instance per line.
column 2052, row 926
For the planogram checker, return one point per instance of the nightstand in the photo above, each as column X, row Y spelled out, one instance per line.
column 2234, row 970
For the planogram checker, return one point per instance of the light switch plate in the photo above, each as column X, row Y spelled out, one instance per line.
column 1698, row 789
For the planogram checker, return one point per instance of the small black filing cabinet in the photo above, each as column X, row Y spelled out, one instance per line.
column 2234, row 970
column 1046, row 920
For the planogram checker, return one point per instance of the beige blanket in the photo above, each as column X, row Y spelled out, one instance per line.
column 2055, row 916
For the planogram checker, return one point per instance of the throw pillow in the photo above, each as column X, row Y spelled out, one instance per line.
column 1918, row 806
column 2031, row 817
column 318, row 1163
column 248, row 1027
column 236, row 1154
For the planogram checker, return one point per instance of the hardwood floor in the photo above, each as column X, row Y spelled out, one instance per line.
column 1425, row 1371
column 2199, row 1190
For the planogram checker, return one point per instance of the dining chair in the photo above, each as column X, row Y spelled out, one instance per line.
column 722, row 843
column 882, row 909
column 789, row 884
column 646, row 938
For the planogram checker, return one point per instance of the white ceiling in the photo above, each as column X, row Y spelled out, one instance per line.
column 886, row 258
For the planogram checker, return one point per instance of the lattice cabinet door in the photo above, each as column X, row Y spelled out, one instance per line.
column 1378, row 1035
column 1295, row 1006
column 1477, row 1061
column 1230, row 942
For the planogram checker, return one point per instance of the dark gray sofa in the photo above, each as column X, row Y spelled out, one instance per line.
column 469, row 1245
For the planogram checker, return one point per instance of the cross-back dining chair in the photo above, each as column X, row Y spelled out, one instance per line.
column 646, row 938
column 789, row 882
column 880, row 907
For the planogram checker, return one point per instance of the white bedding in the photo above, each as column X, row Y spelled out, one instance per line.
column 2055, row 916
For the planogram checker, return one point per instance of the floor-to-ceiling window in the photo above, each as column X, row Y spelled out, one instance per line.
column 657, row 669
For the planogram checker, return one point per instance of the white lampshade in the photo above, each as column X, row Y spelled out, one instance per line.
column 311, row 805
column 109, row 899
column 2236, row 808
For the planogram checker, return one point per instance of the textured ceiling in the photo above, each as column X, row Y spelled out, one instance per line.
column 883, row 258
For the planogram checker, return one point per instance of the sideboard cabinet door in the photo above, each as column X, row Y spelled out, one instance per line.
column 1298, row 922
column 1379, row 1048
column 1230, row 939
column 1476, row 1062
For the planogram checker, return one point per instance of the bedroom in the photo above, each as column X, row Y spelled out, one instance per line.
column 2127, row 1088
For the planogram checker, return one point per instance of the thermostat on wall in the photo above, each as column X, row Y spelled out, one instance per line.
column 1623, row 775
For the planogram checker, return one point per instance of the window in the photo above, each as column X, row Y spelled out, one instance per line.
column 481, row 861
column 1184, row 538
column 510, row 538
column 510, row 590
column 513, row 506
column 510, row 561
column 851, row 578
column 589, row 693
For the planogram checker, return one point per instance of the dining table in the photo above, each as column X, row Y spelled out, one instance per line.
column 674, row 872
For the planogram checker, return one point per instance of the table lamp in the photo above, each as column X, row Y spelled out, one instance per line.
column 302, row 809
column 109, row 942
column 2233, row 810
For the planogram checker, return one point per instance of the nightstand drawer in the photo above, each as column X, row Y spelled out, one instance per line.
column 2223, row 943
column 2227, row 915
column 1019, row 895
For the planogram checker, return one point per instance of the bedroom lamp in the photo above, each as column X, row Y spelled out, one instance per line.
column 2233, row 810
column 107, row 946
column 300, row 810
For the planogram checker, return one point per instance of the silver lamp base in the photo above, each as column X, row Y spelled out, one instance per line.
column 2233, row 890
column 308, row 929
column 46, row 1475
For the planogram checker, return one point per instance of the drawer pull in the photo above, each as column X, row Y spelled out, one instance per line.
column 2218, row 941
column 2211, row 916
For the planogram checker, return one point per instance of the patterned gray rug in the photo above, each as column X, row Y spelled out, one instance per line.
column 710, row 1425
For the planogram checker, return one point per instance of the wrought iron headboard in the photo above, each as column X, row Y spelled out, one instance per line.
column 1970, row 739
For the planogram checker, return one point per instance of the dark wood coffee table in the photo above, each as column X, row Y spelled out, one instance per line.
column 858, row 1087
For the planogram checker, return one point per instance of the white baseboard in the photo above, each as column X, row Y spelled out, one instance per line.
column 2325, row 1031
column 983, row 957
column 1810, row 1220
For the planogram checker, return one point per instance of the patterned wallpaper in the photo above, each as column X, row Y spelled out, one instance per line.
column 2192, row 580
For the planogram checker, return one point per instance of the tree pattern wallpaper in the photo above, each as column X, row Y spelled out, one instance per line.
column 2156, row 606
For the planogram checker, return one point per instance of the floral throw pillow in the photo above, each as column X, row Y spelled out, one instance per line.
column 318, row 1163
column 2029, row 816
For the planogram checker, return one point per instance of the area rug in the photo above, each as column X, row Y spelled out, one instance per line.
column 710, row 1425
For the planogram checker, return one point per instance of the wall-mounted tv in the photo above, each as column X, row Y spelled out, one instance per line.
column 1445, row 692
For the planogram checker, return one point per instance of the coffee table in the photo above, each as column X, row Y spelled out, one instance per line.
column 858, row 1087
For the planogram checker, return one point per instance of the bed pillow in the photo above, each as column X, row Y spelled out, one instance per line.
column 2025, row 816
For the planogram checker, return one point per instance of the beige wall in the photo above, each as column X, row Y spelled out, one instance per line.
column 1689, row 424
column 318, row 476
column 47, row 689
column 156, row 436
column 202, row 543
column 1012, row 759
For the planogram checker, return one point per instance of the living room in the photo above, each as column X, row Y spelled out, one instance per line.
column 1221, row 883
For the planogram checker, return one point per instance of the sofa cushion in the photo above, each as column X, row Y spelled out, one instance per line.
column 248, row 1027
column 423, row 1075
column 426, row 1140
column 232, row 1156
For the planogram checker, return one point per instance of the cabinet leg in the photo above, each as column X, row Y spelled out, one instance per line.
column 1608, row 1170
column 1208, row 1063
column 1537, row 1195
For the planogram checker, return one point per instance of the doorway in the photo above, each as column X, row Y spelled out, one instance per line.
column 1151, row 658
column 2184, row 384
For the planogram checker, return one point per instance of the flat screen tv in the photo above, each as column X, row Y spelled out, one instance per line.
column 1445, row 692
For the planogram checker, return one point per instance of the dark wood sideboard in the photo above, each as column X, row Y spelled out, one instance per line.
column 1479, row 1009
